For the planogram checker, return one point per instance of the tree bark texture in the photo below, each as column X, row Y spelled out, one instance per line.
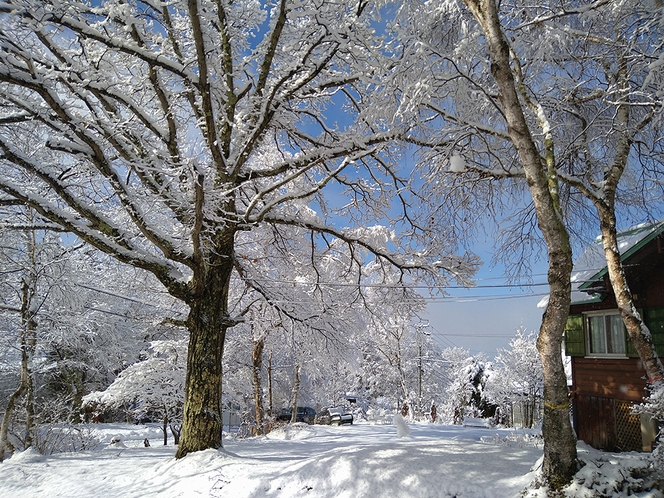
column 207, row 324
column 636, row 328
column 257, row 365
column 560, row 458
column 605, row 204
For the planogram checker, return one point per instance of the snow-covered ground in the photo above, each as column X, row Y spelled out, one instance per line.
column 361, row 460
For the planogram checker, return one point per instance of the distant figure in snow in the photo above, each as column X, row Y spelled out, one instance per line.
column 146, row 443
column 433, row 413
column 402, row 428
column 458, row 418
column 116, row 442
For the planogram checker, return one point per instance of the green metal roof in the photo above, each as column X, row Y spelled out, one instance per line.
column 649, row 231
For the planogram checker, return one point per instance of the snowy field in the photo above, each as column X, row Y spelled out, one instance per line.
column 361, row 460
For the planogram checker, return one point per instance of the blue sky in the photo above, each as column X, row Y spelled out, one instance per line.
column 485, row 318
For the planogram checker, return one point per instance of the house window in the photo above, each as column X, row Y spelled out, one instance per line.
column 606, row 334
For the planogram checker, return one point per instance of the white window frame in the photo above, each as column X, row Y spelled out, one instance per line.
column 605, row 313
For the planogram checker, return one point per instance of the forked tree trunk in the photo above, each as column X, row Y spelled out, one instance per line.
column 560, row 462
column 175, row 430
column 636, row 328
column 5, row 445
column 606, row 210
column 25, row 387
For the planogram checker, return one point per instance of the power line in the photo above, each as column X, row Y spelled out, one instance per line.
column 432, row 299
column 422, row 286
column 119, row 296
column 390, row 286
column 472, row 336
column 463, row 299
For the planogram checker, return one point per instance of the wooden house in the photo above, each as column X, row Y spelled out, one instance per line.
column 607, row 375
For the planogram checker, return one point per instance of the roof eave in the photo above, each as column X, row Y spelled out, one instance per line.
column 635, row 248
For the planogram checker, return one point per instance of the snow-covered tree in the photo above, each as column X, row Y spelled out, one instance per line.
column 516, row 377
column 151, row 387
column 613, row 122
column 390, row 343
column 165, row 133
column 87, row 321
column 568, row 97
column 465, row 393
column 261, row 326
column 21, row 264
column 480, row 77
column 106, row 313
column 654, row 407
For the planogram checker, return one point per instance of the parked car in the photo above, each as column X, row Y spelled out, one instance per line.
column 339, row 416
column 304, row 414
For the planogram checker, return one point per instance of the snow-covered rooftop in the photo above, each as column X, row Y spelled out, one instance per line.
column 591, row 265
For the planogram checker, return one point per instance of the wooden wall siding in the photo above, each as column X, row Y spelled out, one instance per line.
column 604, row 388
column 619, row 378
column 595, row 424
column 607, row 424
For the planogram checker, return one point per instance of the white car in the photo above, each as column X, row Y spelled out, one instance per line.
column 339, row 416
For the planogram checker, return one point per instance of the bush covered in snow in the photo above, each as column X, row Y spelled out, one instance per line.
column 607, row 475
column 654, row 406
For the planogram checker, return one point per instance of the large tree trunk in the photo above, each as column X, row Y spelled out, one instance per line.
column 560, row 461
column 637, row 330
column 207, row 323
column 202, row 419
column 257, row 365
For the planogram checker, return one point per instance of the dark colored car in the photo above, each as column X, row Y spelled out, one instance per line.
column 304, row 414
